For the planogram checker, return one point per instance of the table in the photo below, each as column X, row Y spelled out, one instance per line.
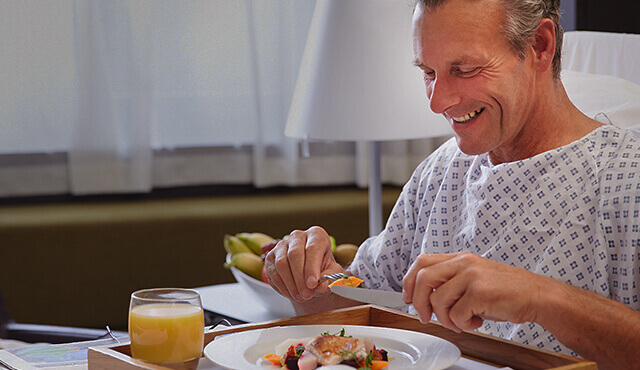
column 232, row 300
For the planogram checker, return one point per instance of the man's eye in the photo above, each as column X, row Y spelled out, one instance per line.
column 468, row 71
column 429, row 75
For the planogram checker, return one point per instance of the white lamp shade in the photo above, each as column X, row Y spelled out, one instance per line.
column 357, row 80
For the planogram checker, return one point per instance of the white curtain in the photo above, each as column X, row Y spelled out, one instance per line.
column 111, row 135
column 101, row 96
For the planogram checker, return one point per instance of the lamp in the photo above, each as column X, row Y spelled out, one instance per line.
column 357, row 83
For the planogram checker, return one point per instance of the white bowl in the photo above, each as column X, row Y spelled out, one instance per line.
column 263, row 292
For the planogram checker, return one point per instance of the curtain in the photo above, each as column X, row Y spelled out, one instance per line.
column 126, row 96
column 110, row 139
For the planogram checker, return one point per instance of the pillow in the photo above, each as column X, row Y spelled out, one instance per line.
column 597, row 95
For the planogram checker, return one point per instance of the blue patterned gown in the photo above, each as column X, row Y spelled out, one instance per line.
column 572, row 213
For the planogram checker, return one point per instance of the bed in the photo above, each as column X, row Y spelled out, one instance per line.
column 601, row 74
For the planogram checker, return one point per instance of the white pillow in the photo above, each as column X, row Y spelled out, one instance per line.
column 594, row 94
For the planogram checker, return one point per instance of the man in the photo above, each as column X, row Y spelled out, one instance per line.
column 529, row 217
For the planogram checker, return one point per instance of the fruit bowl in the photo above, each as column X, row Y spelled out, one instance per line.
column 264, row 293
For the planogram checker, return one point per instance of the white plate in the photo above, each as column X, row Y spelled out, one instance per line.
column 409, row 349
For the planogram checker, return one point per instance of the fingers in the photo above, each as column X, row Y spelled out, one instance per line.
column 462, row 314
column 274, row 278
column 463, row 289
column 425, row 282
column 296, row 256
column 278, row 272
column 318, row 249
column 419, row 282
column 423, row 261
column 444, row 299
column 295, row 264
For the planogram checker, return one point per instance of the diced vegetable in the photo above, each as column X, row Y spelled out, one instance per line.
column 378, row 364
column 307, row 361
column 373, row 364
column 273, row 358
column 292, row 356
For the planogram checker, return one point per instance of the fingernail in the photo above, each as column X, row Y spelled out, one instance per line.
column 312, row 282
column 306, row 294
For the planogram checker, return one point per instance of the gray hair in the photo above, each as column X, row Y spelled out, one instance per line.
column 521, row 23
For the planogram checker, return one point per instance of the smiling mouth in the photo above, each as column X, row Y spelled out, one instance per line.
column 468, row 117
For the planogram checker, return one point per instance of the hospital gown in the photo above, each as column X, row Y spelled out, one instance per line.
column 571, row 214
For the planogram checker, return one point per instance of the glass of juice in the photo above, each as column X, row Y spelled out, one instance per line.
column 166, row 325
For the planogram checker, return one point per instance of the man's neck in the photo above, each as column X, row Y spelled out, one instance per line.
column 555, row 122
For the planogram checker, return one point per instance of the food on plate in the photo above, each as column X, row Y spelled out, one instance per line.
column 328, row 349
column 333, row 349
column 347, row 281
column 248, row 263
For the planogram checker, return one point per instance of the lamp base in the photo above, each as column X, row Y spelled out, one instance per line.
column 375, row 189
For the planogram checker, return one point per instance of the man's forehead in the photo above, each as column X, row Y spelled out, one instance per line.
column 431, row 5
column 457, row 32
column 480, row 9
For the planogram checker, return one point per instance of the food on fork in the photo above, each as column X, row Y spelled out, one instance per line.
column 347, row 281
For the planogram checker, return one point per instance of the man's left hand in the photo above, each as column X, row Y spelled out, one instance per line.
column 462, row 288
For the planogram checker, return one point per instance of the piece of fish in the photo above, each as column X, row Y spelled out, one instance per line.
column 333, row 349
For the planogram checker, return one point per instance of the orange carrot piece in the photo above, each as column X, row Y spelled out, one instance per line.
column 275, row 359
column 349, row 281
column 379, row 364
column 375, row 364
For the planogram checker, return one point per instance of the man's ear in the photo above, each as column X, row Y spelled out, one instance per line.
column 544, row 45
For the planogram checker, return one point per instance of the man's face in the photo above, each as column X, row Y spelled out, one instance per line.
column 472, row 75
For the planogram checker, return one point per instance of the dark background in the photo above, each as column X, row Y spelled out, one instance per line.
column 606, row 16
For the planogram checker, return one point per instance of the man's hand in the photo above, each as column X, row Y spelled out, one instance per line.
column 294, row 266
column 462, row 288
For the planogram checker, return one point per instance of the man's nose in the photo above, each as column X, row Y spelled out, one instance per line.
column 442, row 94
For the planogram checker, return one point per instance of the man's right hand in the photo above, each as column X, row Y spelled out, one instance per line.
column 295, row 265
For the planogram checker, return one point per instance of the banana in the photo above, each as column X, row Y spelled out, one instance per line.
column 254, row 241
column 233, row 245
column 248, row 263
column 333, row 243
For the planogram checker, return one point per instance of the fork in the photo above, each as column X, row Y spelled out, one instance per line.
column 332, row 277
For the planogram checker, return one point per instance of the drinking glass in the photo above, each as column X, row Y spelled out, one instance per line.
column 166, row 325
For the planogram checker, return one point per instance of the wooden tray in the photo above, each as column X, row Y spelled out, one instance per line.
column 475, row 346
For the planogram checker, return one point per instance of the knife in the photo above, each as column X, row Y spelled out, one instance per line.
column 383, row 298
column 374, row 296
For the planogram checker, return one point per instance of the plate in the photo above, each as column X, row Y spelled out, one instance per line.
column 409, row 349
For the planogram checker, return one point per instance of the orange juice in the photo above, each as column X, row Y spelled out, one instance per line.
column 166, row 332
